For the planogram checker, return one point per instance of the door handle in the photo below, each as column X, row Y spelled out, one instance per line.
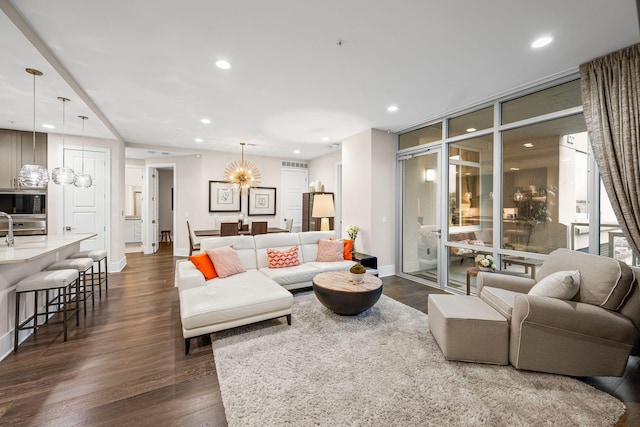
column 67, row 228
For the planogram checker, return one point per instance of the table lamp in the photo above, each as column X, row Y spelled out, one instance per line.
column 323, row 208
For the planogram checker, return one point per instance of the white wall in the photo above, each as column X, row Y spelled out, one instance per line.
column 324, row 169
column 191, row 194
column 368, row 171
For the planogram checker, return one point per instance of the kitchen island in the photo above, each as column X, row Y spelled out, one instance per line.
column 30, row 255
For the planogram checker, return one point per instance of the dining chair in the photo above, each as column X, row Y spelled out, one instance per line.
column 193, row 246
column 258, row 227
column 288, row 224
column 228, row 229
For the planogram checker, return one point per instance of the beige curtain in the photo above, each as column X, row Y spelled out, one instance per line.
column 611, row 99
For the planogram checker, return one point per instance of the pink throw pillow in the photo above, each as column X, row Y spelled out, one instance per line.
column 286, row 258
column 226, row 261
column 330, row 250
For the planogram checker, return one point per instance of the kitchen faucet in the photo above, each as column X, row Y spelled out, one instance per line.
column 10, row 233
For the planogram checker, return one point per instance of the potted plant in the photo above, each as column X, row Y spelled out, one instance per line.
column 357, row 272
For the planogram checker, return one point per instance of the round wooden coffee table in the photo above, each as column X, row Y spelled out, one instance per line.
column 340, row 294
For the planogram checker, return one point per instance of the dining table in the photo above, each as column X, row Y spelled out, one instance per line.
column 216, row 233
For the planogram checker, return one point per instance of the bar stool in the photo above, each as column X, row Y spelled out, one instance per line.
column 46, row 281
column 82, row 265
column 97, row 255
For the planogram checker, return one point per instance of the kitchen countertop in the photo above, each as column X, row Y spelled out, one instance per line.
column 27, row 248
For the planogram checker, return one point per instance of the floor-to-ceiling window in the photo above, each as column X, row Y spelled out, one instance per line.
column 514, row 183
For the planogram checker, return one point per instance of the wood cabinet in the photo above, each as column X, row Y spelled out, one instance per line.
column 16, row 150
column 308, row 222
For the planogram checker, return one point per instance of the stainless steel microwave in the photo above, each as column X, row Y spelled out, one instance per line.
column 23, row 203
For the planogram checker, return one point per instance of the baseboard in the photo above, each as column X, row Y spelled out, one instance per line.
column 116, row 267
column 386, row 270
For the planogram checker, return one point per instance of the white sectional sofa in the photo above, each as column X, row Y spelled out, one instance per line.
column 258, row 294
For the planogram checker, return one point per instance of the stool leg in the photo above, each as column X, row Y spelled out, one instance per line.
column 106, row 275
column 84, row 291
column 93, row 302
column 15, row 338
column 77, row 307
column 35, row 312
column 64, row 312
column 100, row 279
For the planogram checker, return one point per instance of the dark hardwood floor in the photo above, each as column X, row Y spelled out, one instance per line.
column 125, row 363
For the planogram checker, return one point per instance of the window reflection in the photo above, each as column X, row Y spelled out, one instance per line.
column 544, row 184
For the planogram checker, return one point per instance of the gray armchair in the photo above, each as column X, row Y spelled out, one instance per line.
column 590, row 335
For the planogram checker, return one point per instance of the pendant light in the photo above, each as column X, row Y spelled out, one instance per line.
column 244, row 174
column 63, row 175
column 34, row 176
column 83, row 180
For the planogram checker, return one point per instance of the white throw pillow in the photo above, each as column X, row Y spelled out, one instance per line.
column 561, row 285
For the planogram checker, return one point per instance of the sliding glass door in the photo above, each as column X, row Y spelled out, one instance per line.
column 421, row 215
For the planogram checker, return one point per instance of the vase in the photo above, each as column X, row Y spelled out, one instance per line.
column 357, row 277
column 484, row 268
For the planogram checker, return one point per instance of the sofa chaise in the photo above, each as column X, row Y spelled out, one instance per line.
column 259, row 293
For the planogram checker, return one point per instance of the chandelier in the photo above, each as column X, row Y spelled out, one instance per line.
column 243, row 174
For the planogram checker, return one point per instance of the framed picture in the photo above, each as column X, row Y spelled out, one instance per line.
column 222, row 197
column 262, row 201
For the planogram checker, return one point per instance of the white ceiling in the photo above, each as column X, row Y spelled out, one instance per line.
column 144, row 70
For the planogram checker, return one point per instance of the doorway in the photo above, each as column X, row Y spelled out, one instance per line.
column 421, row 217
column 160, row 189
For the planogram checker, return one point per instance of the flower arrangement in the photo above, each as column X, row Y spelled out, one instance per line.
column 485, row 262
column 353, row 231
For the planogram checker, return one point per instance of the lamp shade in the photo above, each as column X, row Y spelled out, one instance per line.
column 323, row 206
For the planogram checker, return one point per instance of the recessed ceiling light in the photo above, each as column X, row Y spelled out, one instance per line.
column 198, row 140
column 528, row 144
column 296, row 151
column 471, row 129
column 515, row 169
column 325, row 139
column 205, row 121
column 541, row 42
column 392, row 108
column 48, row 126
column 222, row 64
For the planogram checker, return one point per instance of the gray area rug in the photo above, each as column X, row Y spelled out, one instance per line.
column 383, row 368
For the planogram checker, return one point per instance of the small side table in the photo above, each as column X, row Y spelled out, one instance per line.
column 369, row 262
column 471, row 271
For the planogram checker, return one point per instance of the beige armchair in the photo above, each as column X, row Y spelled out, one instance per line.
column 589, row 335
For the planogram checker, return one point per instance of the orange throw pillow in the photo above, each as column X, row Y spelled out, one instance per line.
column 348, row 247
column 204, row 264
column 286, row 258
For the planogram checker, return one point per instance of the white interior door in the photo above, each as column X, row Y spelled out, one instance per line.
column 294, row 183
column 150, row 211
column 85, row 208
